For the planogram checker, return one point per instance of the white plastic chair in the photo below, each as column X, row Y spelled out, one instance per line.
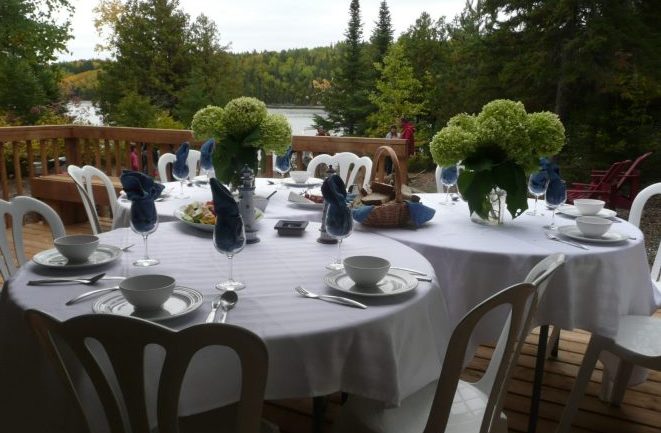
column 346, row 164
column 84, row 180
column 17, row 208
column 451, row 404
column 169, row 158
column 437, row 177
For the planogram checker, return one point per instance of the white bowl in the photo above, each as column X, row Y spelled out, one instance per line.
column 260, row 202
column 366, row 270
column 300, row 176
column 592, row 226
column 588, row 206
column 77, row 248
column 147, row 292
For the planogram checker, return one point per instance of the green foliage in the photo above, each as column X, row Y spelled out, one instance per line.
column 381, row 38
column 397, row 92
column 243, row 115
column 206, row 122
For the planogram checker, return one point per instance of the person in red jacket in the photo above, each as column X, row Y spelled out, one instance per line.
column 408, row 134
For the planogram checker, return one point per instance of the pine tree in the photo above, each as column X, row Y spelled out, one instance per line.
column 347, row 100
column 382, row 35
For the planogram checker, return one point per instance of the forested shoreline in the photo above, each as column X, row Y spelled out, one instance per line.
column 595, row 64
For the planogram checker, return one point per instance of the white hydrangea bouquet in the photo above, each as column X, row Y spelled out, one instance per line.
column 240, row 129
column 497, row 148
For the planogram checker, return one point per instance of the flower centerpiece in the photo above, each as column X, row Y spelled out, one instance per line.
column 497, row 148
column 240, row 129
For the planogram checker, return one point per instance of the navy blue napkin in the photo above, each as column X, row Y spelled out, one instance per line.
column 556, row 193
column 142, row 191
column 180, row 168
column 550, row 168
column 205, row 154
column 228, row 231
column 338, row 215
column 283, row 163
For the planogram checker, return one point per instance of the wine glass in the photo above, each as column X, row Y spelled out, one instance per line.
column 339, row 232
column 230, row 246
column 181, row 175
column 282, row 165
column 145, row 229
column 449, row 176
column 556, row 195
column 538, row 182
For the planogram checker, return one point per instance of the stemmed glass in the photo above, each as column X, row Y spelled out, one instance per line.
column 556, row 195
column 339, row 232
column 145, row 230
column 181, row 176
column 449, row 176
column 281, row 167
column 538, row 182
column 230, row 248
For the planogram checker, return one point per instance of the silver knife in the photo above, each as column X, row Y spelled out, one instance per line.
column 410, row 271
column 341, row 300
column 67, row 280
column 90, row 293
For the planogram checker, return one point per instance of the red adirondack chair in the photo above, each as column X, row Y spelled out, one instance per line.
column 602, row 188
column 628, row 184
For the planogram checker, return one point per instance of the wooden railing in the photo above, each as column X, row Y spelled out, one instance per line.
column 33, row 151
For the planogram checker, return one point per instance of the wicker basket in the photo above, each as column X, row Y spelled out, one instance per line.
column 394, row 213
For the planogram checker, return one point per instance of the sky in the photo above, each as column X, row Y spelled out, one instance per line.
column 248, row 25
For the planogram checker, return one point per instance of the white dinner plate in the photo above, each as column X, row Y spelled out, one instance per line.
column 394, row 283
column 312, row 181
column 53, row 259
column 203, row 178
column 299, row 201
column 183, row 301
column 572, row 211
column 610, row 237
column 206, row 227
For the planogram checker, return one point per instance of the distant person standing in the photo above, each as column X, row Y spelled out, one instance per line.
column 408, row 134
column 135, row 165
column 322, row 132
column 390, row 135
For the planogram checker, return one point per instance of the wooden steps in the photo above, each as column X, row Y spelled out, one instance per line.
column 639, row 413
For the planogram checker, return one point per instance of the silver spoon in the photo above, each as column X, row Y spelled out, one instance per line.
column 227, row 301
column 214, row 307
column 126, row 248
column 87, row 281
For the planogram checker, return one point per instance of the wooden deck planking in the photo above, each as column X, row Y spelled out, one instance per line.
column 639, row 413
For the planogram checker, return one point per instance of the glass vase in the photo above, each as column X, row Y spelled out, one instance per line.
column 496, row 203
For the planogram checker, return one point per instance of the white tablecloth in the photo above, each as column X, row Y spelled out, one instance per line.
column 386, row 352
column 279, row 206
column 473, row 261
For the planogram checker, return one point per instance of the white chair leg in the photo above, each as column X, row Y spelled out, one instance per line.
column 620, row 382
column 595, row 347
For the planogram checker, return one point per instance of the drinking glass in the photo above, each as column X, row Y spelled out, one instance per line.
column 337, row 232
column 181, row 176
column 538, row 182
column 145, row 230
column 230, row 249
column 282, row 166
column 449, row 176
column 556, row 195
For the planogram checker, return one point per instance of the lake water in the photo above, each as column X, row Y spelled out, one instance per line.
column 300, row 119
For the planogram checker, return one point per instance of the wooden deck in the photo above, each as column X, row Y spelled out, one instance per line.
column 639, row 413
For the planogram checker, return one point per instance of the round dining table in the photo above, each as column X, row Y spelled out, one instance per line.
column 385, row 352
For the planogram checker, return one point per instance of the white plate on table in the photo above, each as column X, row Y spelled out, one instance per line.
column 53, row 259
column 299, row 201
column 183, row 301
column 609, row 237
column 394, row 283
column 203, row 178
column 205, row 227
column 312, row 181
column 572, row 211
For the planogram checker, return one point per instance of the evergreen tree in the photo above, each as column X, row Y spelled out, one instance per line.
column 382, row 35
column 347, row 100
column 397, row 92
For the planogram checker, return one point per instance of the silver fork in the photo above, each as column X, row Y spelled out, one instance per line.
column 215, row 304
column 330, row 298
column 573, row 244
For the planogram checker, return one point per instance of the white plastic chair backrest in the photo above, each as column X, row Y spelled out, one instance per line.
column 518, row 298
column 169, row 158
column 636, row 213
column 346, row 164
column 437, row 177
column 17, row 208
column 92, row 172
column 79, row 179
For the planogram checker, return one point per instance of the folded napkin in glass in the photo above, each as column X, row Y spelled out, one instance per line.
column 338, row 214
column 180, row 167
column 228, row 231
column 141, row 190
column 283, row 162
column 206, row 151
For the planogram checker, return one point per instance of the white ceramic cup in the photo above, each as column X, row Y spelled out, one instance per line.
column 300, row 176
column 592, row 226
column 366, row 270
column 77, row 248
column 589, row 206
